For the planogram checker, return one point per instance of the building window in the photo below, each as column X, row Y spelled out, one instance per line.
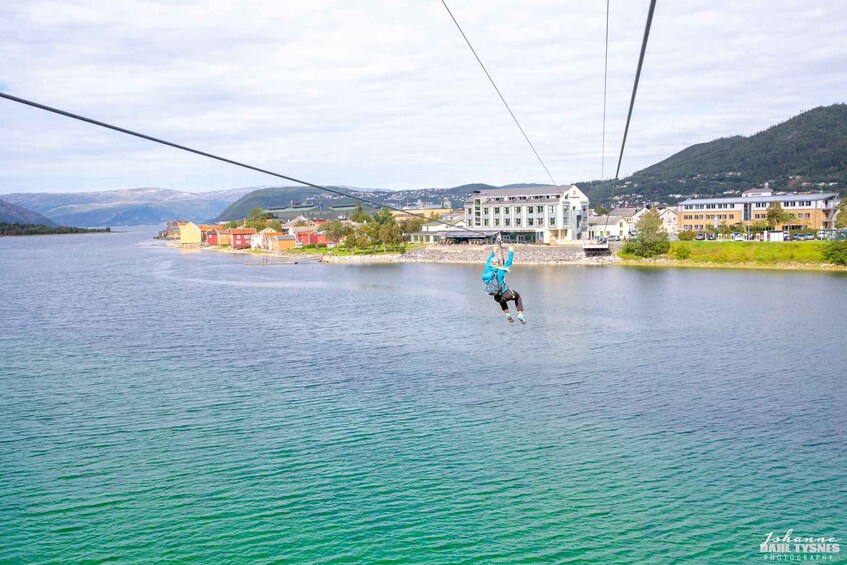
column 517, row 221
column 497, row 210
column 485, row 222
column 539, row 209
column 552, row 210
column 530, row 221
column 553, row 220
column 507, row 221
column 505, row 209
column 496, row 221
column 518, row 210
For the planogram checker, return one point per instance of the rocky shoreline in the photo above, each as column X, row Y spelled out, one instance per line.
column 526, row 255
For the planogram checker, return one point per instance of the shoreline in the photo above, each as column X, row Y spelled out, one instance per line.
column 538, row 256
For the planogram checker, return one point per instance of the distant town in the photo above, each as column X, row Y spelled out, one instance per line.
column 528, row 215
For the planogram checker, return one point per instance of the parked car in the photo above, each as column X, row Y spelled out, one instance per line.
column 787, row 237
column 736, row 237
column 700, row 236
column 599, row 239
column 712, row 237
column 614, row 238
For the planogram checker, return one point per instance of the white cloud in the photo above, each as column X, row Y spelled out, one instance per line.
column 387, row 94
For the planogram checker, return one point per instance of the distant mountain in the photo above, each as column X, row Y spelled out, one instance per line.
column 13, row 214
column 283, row 196
column 807, row 152
column 136, row 206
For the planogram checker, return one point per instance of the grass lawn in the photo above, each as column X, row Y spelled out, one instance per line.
column 757, row 252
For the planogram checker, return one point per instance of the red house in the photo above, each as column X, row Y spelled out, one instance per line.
column 240, row 238
column 311, row 238
column 212, row 237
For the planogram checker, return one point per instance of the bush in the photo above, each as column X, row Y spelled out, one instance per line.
column 628, row 248
column 683, row 253
column 836, row 252
column 686, row 235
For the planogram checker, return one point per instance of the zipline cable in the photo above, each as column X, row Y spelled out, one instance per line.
column 631, row 103
column 605, row 83
column 540, row 160
column 223, row 159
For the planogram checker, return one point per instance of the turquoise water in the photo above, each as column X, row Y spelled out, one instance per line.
column 160, row 405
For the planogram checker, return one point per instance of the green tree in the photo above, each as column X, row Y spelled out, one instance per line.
column 359, row 215
column 777, row 215
column 652, row 237
column 335, row 229
column 383, row 217
column 275, row 225
column 412, row 225
column 258, row 213
column 231, row 225
column 686, row 235
column 601, row 211
column 841, row 217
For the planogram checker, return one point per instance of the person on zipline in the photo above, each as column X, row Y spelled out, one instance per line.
column 494, row 278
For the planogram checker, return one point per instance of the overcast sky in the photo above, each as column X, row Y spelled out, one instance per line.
column 387, row 94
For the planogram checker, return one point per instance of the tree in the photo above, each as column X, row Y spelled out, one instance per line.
column 258, row 213
column 231, row 225
column 776, row 215
column 652, row 237
column 275, row 225
column 335, row 229
column 359, row 215
column 383, row 217
column 435, row 216
column 841, row 215
column 601, row 211
column 412, row 225
column 686, row 235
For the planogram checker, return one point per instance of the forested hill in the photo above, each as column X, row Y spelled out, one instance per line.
column 10, row 213
column 800, row 153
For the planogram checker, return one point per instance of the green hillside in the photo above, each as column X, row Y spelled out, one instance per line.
column 810, row 148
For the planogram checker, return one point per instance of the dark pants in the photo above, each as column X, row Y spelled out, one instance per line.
column 503, row 300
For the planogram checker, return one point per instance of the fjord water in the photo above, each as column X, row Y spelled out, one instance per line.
column 160, row 404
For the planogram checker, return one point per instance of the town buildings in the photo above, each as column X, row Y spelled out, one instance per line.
column 813, row 211
column 548, row 214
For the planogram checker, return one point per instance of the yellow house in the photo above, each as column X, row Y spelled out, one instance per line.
column 189, row 234
column 280, row 242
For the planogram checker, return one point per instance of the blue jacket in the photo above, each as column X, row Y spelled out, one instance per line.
column 499, row 272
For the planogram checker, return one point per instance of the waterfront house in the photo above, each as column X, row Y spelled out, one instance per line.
column 212, row 237
column 815, row 211
column 240, row 238
column 281, row 242
column 223, row 237
column 438, row 231
column 548, row 214
column 172, row 229
column 189, row 235
column 608, row 226
column 669, row 220
column 259, row 240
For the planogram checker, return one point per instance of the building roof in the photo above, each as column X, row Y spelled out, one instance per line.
column 284, row 238
column 775, row 198
column 601, row 220
column 631, row 211
column 528, row 191
column 243, row 231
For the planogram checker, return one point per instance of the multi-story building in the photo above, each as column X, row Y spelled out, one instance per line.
column 548, row 214
column 808, row 211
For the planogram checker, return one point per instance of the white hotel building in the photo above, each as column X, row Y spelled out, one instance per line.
column 548, row 214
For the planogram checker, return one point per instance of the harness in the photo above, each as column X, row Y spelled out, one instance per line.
column 493, row 287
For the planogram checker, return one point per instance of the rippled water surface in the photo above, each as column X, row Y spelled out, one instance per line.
column 167, row 405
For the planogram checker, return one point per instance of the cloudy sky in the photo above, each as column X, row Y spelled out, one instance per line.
column 387, row 94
